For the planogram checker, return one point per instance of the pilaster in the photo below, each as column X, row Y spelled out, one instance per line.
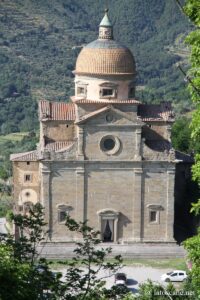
column 138, row 144
column 46, row 195
column 137, row 204
column 80, row 203
column 170, row 205
column 80, row 143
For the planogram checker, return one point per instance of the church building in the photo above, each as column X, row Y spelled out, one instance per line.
column 104, row 156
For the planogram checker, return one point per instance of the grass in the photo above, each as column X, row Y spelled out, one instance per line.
column 13, row 137
column 171, row 263
column 175, row 263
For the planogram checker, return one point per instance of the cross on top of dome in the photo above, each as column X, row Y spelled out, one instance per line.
column 106, row 28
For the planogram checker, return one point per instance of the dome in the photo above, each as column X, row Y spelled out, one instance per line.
column 105, row 56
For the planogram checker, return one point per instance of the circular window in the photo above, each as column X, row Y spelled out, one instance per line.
column 109, row 118
column 110, row 144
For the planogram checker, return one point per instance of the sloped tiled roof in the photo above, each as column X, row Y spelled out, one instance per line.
column 56, row 111
column 156, row 112
column 26, row 156
column 66, row 111
column 60, row 145
column 106, row 101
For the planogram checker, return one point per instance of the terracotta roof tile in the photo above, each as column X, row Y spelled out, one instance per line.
column 26, row 156
column 56, row 111
column 106, row 101
column 156, row 112
column 57, row 146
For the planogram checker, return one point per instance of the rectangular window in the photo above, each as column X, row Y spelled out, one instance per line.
column 153, row 216
column 27, row 177
column 80, row 90
column 107, row 92
column 61, row 216
column 131, row 92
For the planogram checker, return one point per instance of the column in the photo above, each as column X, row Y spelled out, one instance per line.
column 170, row 206
column 137, row 204
column 46, row 200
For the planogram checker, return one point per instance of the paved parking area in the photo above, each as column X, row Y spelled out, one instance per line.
column 135, row 275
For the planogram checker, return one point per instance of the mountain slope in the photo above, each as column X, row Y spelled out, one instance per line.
column 40, row 40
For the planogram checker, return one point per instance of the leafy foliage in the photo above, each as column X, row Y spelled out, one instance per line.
column 192, row 10
column 192, row 245
column 24, row 275
column 181, row 136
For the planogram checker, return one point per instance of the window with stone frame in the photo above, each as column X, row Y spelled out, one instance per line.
column 153, row 215
column 81, row 89
column 61, row 216
column 63, row 211
column 108, row 90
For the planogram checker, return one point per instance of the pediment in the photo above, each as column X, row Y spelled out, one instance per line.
column 110, row 115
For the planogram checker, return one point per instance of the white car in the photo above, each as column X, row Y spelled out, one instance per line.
column 177, row 275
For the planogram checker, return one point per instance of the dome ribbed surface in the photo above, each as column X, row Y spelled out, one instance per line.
column 106, row 57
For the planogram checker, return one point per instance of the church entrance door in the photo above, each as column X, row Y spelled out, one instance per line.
column 108, row 230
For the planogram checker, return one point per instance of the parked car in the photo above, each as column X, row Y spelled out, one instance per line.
column 177, row 275
column 120, row 279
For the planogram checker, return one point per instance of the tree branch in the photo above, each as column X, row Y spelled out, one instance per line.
column 180, row 6
column 189, row 80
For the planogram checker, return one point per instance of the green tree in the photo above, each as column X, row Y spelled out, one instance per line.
column 23, row 275
column 192, row 10
column 84, row 281
column 19, row 276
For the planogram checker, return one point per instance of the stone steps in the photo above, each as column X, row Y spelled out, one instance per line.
column 148, row 251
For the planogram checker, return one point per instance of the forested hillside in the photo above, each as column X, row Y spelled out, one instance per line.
column 40, row 40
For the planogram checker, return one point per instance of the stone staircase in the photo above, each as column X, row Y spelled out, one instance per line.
column 137, row 250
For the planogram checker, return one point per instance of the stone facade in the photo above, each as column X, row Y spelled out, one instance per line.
column 105, row 157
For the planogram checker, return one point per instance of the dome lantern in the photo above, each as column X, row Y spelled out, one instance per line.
column 106, row 28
